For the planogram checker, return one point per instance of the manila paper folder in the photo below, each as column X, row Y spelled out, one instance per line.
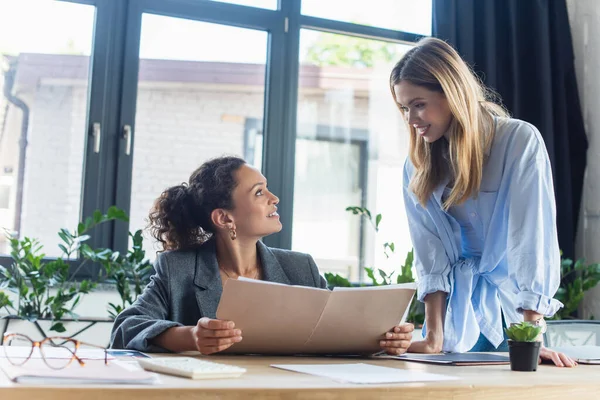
column 284, row 319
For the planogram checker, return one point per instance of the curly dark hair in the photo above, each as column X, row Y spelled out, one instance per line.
column 180, row 217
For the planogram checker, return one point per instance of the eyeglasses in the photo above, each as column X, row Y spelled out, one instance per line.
column 57, row 352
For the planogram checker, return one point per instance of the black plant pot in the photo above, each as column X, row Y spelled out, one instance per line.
column 523, row 355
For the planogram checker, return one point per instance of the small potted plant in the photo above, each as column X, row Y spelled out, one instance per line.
column 523, row 346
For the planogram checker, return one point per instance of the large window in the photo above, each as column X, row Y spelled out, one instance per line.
column 45, row 58
column 343, row 96
column 193, row 98
column 401, row 15
column 107, row 102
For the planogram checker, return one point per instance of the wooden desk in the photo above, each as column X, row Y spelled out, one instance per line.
column 262, row 381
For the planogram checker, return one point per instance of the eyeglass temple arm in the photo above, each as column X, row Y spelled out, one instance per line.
column 98, row 347
column 79, row 342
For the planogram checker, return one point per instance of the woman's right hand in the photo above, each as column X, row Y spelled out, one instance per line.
column 432, row 344
column 214, row 335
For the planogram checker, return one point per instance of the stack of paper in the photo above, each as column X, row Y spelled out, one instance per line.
column 35, row 371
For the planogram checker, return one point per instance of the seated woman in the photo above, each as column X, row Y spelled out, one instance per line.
column 210, row 229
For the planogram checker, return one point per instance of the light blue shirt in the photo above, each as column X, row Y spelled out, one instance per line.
column 512, row 220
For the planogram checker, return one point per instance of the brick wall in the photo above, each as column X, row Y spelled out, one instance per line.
column 54, row 160
column 180, row 126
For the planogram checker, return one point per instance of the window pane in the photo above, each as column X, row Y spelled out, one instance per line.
column 350, row 151
column 268, row 4
column 412, row 16
column 198, row 98
column 44, row 65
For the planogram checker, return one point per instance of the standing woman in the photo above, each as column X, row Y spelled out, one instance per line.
column 210, row 229
column 480, row 203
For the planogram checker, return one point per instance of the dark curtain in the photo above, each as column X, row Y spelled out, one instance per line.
column 523, row 50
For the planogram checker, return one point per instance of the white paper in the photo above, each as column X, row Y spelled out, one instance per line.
column 95, row 372
column 364, row 373
column 51, row 352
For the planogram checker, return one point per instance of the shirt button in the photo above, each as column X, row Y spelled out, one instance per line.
column 473, row 214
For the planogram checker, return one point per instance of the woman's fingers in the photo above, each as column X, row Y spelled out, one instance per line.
column 214, row 324
column 395, row 351
column 404, row 328
column 216, row 328
column 568, row 361
column 214, row 335
column 403, row 344
column 209, row 333
column 206, row 342
column 398, row 336
column 559, row 359
column 206, row 350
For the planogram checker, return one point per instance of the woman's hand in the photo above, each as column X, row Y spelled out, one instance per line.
column 432, row 344
column 435, row 306
column 559, row 359
column 397, row 340
column 214, row 335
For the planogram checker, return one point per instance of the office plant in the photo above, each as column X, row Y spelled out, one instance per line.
column 378, row 277
column 523, row 346
column 47, row 289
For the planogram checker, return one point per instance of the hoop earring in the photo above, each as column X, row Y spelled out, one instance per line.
column 232, row 234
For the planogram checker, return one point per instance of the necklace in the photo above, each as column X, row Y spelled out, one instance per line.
column 255, row 276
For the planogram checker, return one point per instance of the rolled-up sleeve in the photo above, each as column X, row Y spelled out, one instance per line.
column 532, row 252
column 431, row 261
column 146, row 318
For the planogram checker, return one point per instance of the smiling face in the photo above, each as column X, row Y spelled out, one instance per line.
column 426, row 111
column 255, row 208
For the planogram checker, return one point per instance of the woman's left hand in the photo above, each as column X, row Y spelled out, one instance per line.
column 559, row 359
column 397, row 340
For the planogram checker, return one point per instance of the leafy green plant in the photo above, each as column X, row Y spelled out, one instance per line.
column 130, row 274
column 575, row 281
column 380, row 277
column 523, row 332
column 46, row 289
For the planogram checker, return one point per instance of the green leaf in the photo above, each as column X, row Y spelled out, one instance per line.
column 384, row 276
column 58, row 327
column 82, row 238
column 523, row 332
column 80, row 228
column 97, row 216
column 64, row 236
column 4, row 300
column 377, row 221
column 333, row 280
column 63, row 249
column 371, row 275
column 118, row 214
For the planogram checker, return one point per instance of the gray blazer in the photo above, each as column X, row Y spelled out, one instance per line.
column 187, row 286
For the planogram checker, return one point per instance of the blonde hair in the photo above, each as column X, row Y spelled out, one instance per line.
column 436, row 66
